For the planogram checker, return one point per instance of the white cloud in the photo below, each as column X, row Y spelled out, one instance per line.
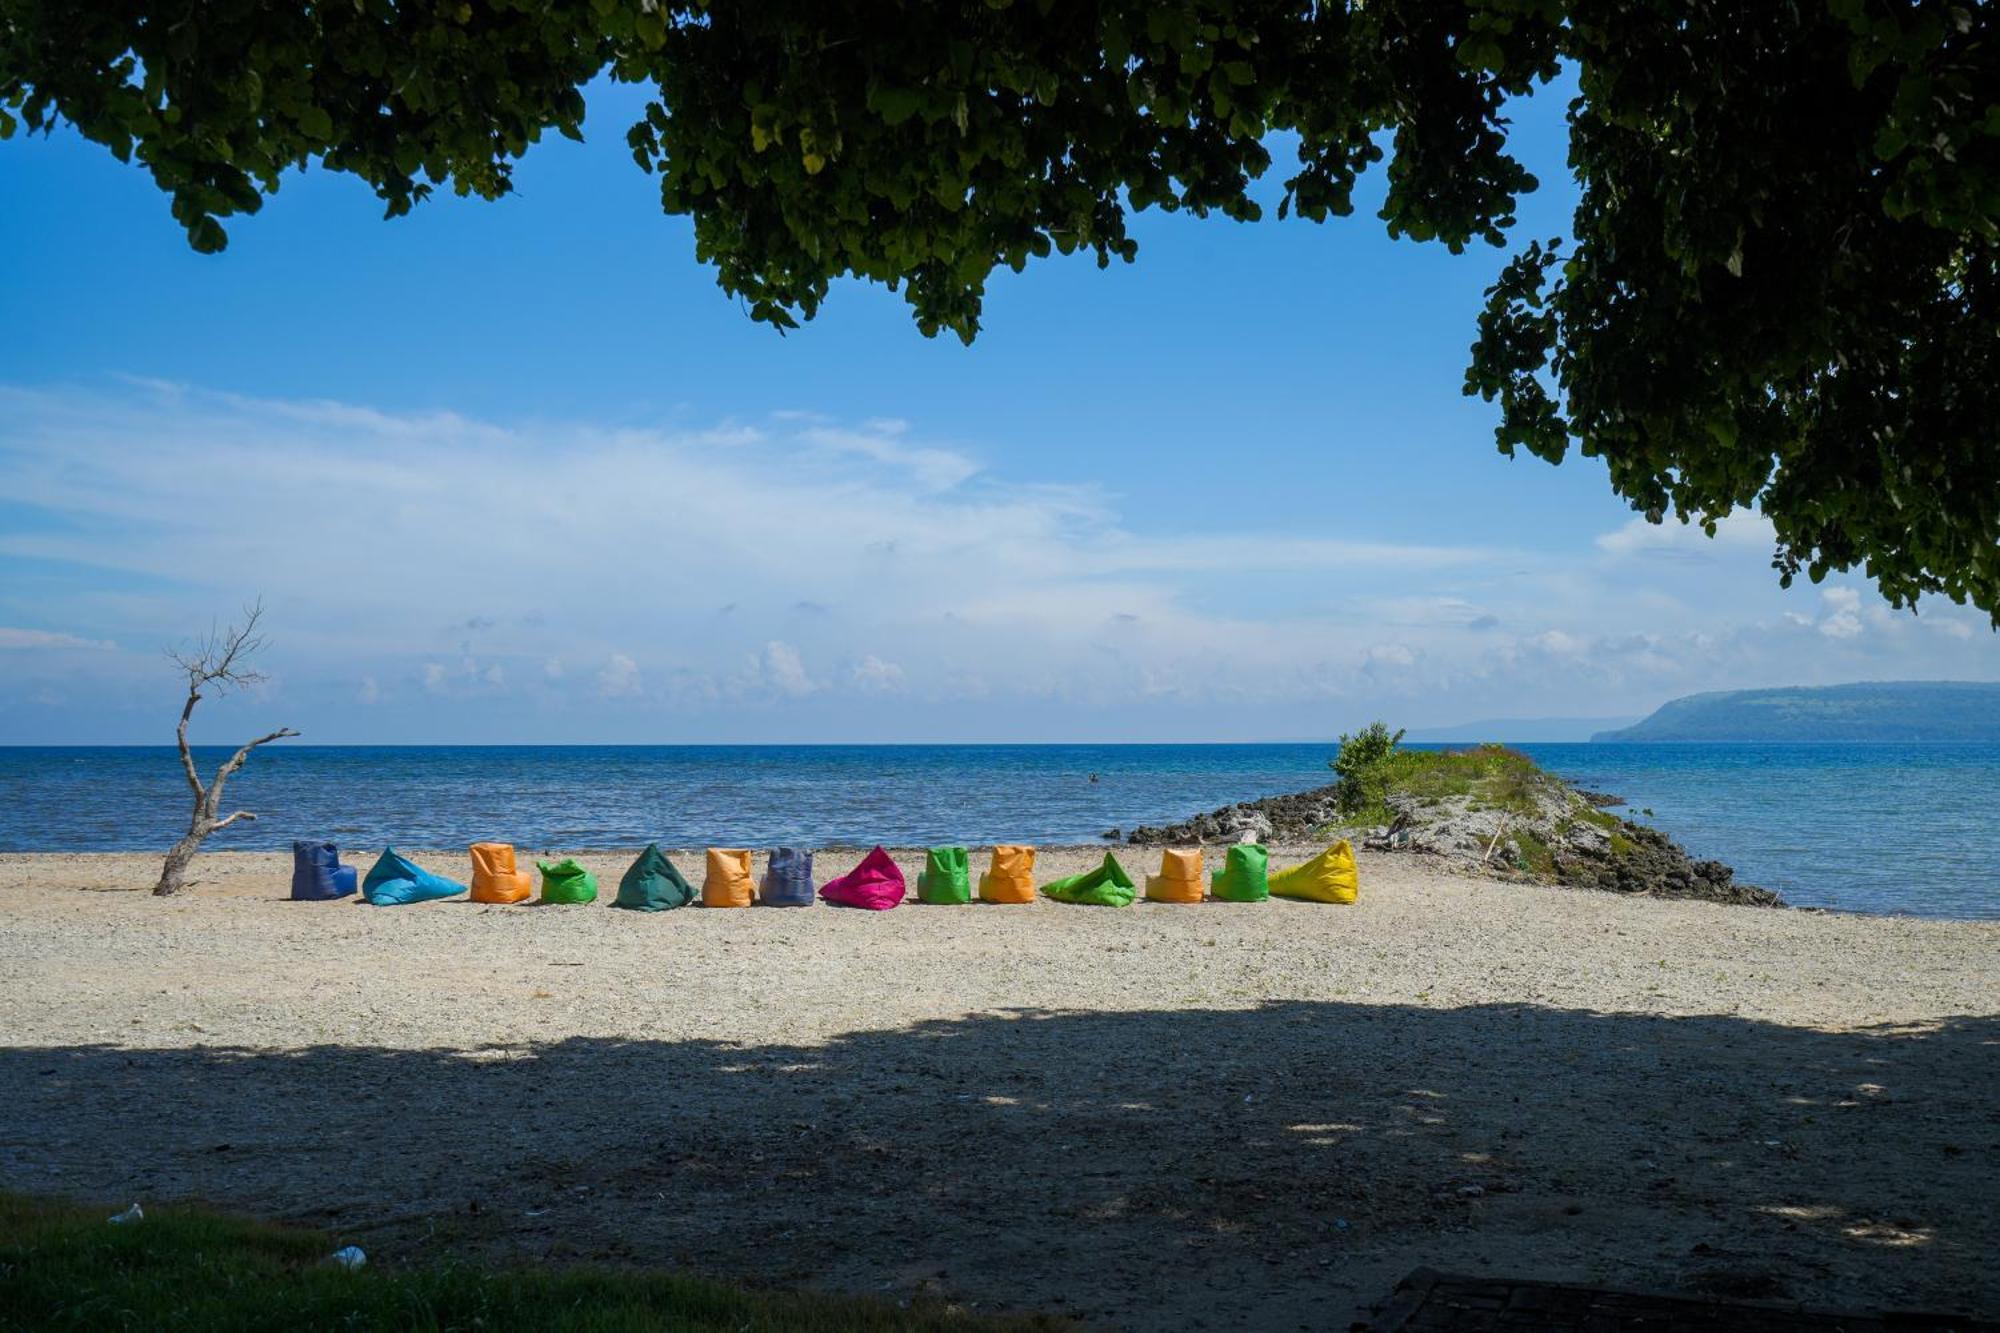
column 876, row 676
column 1673, row 539
column 882, row 441
column 781, row 668
column 1843, row 617
column 48, row 639
column 369, row 692
column 1390, row 655
column 585, row 551
column 619, row 679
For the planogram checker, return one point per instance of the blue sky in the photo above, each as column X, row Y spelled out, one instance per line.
column 522, row 472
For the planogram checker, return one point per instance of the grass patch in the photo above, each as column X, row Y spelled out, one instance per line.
column 1535, row 854
column 1622, row 845
column 63, row 1267
column 1491, row 777
column 1592, row 815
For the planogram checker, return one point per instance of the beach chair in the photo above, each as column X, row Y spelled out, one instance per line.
column 1010, row 878
column 1106, row 886
column 1245, row 875
column 494, row 878
column 1330, row 877
column 317, row 873
column 788, row 878
column 653, row 884
column 946, row 878
column 567, row 882
column 876, row 884
column 395, row 880
column 1179, row 880
column 727, row 883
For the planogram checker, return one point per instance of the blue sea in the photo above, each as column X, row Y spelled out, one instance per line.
column 1870, row 828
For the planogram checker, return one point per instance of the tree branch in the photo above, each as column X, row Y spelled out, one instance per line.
column 181, row 734
column 235, row 761
column 214, row 665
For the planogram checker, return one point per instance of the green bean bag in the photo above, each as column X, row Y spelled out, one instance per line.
column 1245, row 875
column 1106, row 886
column 567, row 882
column 946, row 877
column 653, row 884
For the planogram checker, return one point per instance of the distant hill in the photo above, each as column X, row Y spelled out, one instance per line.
column 1508, row 729
column 1889, row 710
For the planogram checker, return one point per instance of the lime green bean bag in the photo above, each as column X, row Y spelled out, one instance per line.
column 1106, row 886
column 946, row 877
column 567, row 882
column 653, row 884
column 1245, row 875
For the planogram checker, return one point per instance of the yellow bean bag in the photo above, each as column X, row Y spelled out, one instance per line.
column 1179, row 880
column 727, row 883
column 1330, row 877
column 494, row 879
column 1011, row 878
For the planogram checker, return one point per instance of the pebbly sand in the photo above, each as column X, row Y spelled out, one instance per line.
column 1163, row 1117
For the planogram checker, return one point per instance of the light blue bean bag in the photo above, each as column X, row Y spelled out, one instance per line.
column 395, row 880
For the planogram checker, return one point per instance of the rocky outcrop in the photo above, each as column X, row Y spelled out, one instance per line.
column 1293, row 818
column 1552, row 834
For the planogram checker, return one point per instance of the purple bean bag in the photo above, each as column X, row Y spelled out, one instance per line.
column 876, row 884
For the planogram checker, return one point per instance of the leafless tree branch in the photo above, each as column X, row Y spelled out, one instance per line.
column 216, row 664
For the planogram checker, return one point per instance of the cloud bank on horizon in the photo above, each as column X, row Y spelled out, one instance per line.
column 430, row 577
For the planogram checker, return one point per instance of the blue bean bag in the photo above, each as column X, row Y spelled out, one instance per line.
column 395, row 880
column 788, row 879
column 317, row 873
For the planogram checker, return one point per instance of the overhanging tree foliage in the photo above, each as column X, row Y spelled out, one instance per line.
column 1783, row 286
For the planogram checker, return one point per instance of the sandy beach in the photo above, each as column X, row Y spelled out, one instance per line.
column 1168, row 1116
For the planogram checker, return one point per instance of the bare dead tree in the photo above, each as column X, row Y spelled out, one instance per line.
column 215, row 665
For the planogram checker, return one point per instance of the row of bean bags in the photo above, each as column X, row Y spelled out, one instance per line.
column 396, row 880
column 1330, row 877
column 654, row 884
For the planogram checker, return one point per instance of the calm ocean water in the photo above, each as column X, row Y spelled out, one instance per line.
column 1876, row 828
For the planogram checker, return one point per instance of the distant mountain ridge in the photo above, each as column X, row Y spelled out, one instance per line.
column 1525, row 729
column 1889, row 710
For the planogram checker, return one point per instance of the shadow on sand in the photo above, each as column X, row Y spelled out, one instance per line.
column 1272, row 1167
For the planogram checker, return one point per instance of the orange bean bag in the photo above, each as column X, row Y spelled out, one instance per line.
column 494, row 879
column 1179, row 880
column 1011, row 878
column 728, row 882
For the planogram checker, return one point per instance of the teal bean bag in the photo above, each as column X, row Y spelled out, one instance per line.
column 654, row 884
column 395, row 880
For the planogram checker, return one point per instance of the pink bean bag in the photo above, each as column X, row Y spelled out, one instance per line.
column 876, row 884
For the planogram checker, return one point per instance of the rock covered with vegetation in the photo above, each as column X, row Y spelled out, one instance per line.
column 1486, row 808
